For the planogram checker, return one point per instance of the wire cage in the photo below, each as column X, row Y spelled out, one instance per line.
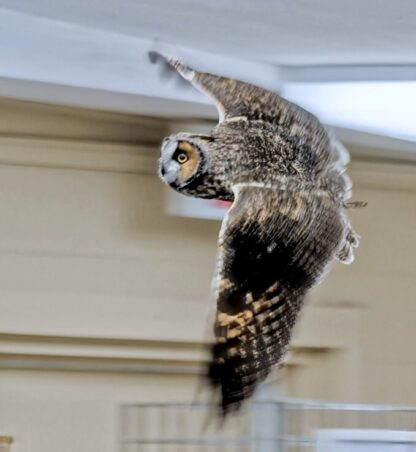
column 284, row 426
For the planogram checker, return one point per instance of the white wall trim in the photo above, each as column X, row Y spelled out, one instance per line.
column 383, row 176
column 118, row 355
column 100, row 354
column 76, row 155
column 111, row 354
column 142, row 159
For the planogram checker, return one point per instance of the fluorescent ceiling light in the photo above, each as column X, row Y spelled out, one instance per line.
column 386, row 108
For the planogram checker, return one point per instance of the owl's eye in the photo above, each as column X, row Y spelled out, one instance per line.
column 182, row 157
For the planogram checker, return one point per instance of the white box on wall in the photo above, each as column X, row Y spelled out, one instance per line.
column 185, row 206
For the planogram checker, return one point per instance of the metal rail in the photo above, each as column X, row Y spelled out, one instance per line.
column 284, row 426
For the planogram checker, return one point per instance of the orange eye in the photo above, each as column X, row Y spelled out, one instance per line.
column 182, row 158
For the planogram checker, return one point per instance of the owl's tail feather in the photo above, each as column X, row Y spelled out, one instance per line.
column 245, row 353
column 355, row 205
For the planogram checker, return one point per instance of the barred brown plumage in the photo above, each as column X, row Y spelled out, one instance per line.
column 285, row 174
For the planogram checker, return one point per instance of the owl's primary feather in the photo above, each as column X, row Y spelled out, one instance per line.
column 285, row 174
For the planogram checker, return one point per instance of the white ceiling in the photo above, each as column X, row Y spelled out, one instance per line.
column 299, row 32
column 93, row 53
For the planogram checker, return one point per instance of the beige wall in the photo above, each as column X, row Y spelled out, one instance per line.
column 76, row 411
column 103, row 297
column 380, row 286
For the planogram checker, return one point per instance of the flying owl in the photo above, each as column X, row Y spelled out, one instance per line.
column 285, row 174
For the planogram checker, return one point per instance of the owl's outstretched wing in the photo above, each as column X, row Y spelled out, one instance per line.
column 273, row 247
column 235, row 98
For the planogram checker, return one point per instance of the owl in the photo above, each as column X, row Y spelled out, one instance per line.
column 285, row 175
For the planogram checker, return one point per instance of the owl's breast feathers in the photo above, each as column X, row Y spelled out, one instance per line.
column 258, row 152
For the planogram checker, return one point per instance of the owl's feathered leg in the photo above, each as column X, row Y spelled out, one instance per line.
column 351, row 241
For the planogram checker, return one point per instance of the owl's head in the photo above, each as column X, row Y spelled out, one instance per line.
column 183, row 159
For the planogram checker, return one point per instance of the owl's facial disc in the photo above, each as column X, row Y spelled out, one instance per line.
column 179, row 162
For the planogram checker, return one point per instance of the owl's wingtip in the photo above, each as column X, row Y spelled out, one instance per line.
column 185, row 71
column 156, row 57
